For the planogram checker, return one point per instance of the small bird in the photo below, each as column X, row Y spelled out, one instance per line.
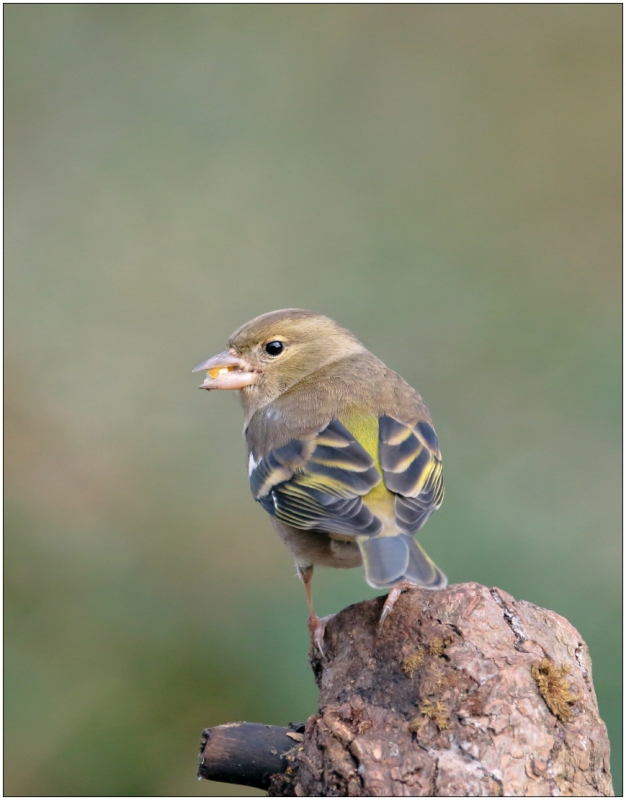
column 342, row 452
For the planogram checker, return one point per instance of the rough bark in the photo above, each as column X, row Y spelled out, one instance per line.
column 464, row 692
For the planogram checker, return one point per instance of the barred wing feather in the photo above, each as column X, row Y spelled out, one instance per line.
column 411, row 464
column 317, row 483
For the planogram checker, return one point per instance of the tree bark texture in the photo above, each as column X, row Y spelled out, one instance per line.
column 463, row 692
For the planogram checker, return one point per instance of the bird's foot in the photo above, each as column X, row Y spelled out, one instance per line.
column 317, row 627
column 392, row 597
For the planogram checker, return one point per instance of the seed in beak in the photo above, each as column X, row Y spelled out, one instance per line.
column 216, row 372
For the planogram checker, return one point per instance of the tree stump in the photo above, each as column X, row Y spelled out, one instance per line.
column 463, row 692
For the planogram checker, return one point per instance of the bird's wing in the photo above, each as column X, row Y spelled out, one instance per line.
column 318, row 481
column 411, row 465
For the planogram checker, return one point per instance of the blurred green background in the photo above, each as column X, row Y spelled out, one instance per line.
column 442, row 179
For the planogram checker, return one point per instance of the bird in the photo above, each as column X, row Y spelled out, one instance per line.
column 341, row 451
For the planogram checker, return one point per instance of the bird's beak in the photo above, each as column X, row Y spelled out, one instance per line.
column 227, row 371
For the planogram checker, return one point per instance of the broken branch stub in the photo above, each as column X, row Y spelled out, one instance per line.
column 246, row 753
column 463, row 692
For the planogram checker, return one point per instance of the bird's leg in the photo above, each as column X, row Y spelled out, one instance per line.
column 393, row 595
column 317, row 626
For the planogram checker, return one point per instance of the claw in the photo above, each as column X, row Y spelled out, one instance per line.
column 392, row 597
column 317, row 627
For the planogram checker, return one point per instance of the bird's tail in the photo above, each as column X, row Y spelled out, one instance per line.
column 387, row 560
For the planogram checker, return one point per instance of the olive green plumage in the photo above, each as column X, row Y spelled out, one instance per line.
column 342, row 451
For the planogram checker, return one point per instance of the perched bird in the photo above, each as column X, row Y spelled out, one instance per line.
column 342, row 452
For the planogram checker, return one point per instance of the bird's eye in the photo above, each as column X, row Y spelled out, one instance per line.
column 274, row 348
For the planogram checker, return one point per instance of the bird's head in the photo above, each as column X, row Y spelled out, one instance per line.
column 271, row 353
